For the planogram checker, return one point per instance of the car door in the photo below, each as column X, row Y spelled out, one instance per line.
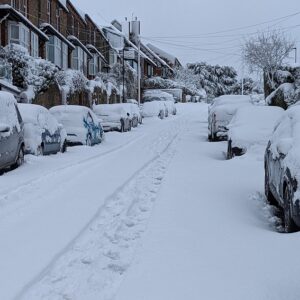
column 5, row 148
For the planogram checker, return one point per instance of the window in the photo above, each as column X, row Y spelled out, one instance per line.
column 149, row 71
column 34, row 45
column 112, row 57
column 93, row 65
column 58, row 18
column 19, row 34
column 57, row 52
column 79, row 61
column 49, row 11
column 64, row 56
column 25, row 8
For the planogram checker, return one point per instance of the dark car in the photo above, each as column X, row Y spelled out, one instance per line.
column 43, row 135
column 282, row 169
column 11, row 133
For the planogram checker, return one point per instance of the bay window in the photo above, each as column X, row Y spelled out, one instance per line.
column 57, row 52
column 79, row 61
column 94, row 65
column 19, row 34
column 34, row 45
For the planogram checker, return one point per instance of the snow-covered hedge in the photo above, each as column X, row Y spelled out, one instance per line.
column 33, row 75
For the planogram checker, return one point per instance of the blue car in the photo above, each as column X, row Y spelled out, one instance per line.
column 82, row 126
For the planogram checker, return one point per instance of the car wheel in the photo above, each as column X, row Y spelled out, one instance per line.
column 289, row 224
column 64, row 147
column 230, row 154
column 270, row 198
column 40, row 150
column 89, row 141
column 20, row 159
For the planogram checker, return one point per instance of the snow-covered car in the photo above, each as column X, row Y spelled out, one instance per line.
column 251, row 125
column 133, row 113
column 157, row 95
column 221, row 112
column 11, row 132
column 282, row 168
column 114, row 117
column 43, row 135
column 154, row 109
column 171, row 107
column 81, row 124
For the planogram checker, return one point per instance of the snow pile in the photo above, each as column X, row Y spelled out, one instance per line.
column 283, row 96
column 8, row 114
column 253, row 125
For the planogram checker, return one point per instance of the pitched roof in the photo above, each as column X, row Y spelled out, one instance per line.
column 163, row 54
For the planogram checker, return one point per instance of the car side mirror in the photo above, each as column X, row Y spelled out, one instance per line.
column 4, row 128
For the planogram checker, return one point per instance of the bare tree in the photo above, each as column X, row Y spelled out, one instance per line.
column 266, row 52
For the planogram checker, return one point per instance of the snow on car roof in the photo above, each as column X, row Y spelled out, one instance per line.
column 227, row 99
column 29, row 112
column 253, row 125
column 118, row 108
column 8, row 116
column 70, row 109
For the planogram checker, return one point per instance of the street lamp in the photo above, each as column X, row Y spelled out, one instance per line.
column 295, row 48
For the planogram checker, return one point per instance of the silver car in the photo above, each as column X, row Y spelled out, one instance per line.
column 11, row 133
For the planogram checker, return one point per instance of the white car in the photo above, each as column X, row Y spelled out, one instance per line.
column 43, row 135
column 157, row 95
column 220, row 113
column 171, row 107
column 82, row 125
column 251, row 125
column 133, row 112
column 114, row 116
column 153, row 109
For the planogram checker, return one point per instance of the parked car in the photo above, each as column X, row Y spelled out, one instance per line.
column 135, row 110
column 114, row 117
column 251, row 125
column 83, row 127
column 221, row 112
column 153, row 109
column 171, row 107
column 282, row 168
column 157, row 95
column 43, row 135
column 11, row 133
column 133, row 113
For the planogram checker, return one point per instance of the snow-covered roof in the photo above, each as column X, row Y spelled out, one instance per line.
column 163, row 54
column 63, row 4
column 47, row 26
column 93, row 48
column 77, row 42
column 80, row 12
column 24, row 20
column 156, row 56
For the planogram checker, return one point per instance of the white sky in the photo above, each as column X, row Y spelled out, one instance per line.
column 173, row 22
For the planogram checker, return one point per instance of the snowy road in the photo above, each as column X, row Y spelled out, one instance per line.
column 154, row 214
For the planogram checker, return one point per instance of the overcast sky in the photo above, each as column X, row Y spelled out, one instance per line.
column 181, row 26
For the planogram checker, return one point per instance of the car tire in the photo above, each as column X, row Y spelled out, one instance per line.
column 40, row 150
column 64, row 147
column 89, row 141
column 20, row 159
column 229, row 150
column 269, row 196
column 288, row 222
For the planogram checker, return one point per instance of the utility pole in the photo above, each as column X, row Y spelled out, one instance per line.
column 139, row 70
column 243, row 74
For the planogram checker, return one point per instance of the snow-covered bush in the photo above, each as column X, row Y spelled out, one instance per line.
column 33, row 75
column 72, row 81
column 216, row 80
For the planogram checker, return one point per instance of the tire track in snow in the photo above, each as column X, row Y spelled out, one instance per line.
column 93, row 265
